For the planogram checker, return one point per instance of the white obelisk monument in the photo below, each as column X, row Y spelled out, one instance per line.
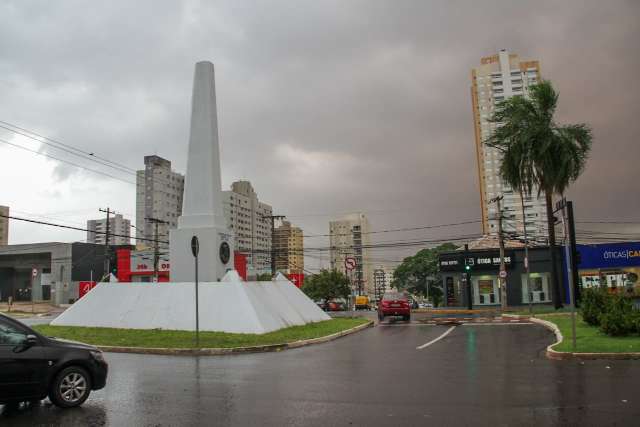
column 202, row 213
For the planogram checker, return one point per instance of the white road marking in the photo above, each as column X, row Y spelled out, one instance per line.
column 436, row 339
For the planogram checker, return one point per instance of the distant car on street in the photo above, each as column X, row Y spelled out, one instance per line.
column 362, row 302
column 426, row 305
column 332, row 306
column 33, row 367
column 394, row 304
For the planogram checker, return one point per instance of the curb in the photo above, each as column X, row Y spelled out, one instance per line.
column 567, row 355
column 233, row 350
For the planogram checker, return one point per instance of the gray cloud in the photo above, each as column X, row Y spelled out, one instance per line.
column 325, row 106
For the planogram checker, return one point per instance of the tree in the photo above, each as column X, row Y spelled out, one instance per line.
column 419, row 274
column 264, row 277
column 327, row 285
column 538, row 153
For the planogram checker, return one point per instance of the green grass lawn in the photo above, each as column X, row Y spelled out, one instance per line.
column 590, row 339
column 184, row 339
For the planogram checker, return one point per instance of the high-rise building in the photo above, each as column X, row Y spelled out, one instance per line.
column 288, row 248
column 349, row 238
column 380, row 284
column 4, row 225
column 248, row 218
column 158, row 195
column 97, row 229
column 500, row 77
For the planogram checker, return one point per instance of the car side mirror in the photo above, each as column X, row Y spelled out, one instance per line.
column 29, row 341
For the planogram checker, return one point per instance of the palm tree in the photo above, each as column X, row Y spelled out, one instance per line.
column 538, row 153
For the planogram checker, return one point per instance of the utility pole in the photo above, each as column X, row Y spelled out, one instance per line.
column 501, row 280
column 564, row 206
column 467, row 277
column 273, row 239
column 574, row 254
column 107, row 267
column 156, row 249
column 526, row 255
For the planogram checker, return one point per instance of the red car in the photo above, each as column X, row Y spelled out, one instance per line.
column 394, row 304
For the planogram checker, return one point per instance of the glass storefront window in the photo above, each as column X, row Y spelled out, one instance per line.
column 485, row 290
column 539, row 283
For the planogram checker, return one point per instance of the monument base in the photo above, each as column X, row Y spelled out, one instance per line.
column 228, row 306
column 210, row 265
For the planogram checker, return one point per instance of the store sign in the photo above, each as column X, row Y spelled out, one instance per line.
column 609, row 255
column 142, row 262
column 482, row 261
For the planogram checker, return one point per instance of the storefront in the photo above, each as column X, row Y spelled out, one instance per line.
column 614, row 265
column 484, row 268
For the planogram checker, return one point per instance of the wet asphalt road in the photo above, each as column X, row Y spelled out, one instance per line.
column 476, row 375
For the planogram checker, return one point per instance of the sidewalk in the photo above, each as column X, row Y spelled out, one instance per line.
column 25, row 307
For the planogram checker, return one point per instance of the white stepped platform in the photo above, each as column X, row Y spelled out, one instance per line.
column 226, row 306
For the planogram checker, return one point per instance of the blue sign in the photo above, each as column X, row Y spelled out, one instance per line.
column 606, row 255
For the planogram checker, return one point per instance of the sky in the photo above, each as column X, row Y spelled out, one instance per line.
column 327, row 107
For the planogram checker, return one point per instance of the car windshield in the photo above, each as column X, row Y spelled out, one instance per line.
column 394, row 296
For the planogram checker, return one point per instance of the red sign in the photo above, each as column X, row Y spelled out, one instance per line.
column 350, row 263
column 84, row 288
column 240, row 264
column 297, row 279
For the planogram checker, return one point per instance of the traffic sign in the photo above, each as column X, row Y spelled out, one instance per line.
column 34, row 272
column 503, row 274
column 195, row 246
column 350, row 263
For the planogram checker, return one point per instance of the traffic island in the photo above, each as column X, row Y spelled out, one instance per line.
column 166, row 342
column 591, row 343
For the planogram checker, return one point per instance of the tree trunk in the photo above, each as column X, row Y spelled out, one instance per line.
column 556, row 295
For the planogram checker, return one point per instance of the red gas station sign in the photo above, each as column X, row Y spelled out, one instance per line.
column 84, row 288
column 297, row 279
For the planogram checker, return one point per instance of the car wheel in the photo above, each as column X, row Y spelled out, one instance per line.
column 71, row 387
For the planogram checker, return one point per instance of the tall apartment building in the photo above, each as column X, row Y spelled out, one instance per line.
column 245, row 216
column 349, row 237
column 4, row 225
column 159, row 192
column 380, row 284
column 97, row 229
column 288, row 247
column 500, row 77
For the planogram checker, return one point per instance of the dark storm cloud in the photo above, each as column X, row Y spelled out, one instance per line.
column 325, row 106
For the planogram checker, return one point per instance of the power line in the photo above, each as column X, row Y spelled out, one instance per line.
column 78, row 228
column 66, row 161
column 43, row 140
column 426, row 227
column 92, row 157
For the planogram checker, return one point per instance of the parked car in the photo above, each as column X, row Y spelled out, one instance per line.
column 33, row 367
column 394, row 304
column 426, row 305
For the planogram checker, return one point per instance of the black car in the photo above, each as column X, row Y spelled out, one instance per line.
column 33, row 367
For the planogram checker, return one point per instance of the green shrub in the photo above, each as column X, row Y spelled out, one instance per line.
column 592, row 304
column 619, row 317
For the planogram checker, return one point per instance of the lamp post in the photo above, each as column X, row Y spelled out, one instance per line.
column 195, row 248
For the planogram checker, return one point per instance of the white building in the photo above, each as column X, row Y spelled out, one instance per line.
column 97, row 229
column 245, row 216
column 500, row 77
column 349, row 238
column 159, row 192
